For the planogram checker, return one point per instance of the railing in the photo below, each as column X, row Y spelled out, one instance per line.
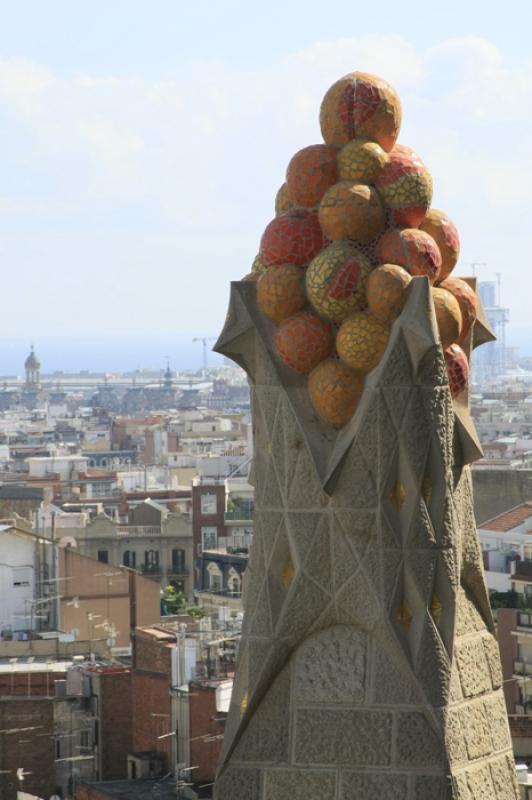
column 138, row 530
column 522, row 668
column 239, row 515
column 177, row 571
column 150, row 569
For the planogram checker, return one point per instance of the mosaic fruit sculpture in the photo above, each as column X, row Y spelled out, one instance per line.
column 353, row 226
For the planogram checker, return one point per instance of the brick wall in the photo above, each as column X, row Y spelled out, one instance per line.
column 151, row 714
column 31, row 749
column 205, row 723
column 116, row 735
column 29, row 684
column 506, row 623
column 150, row 654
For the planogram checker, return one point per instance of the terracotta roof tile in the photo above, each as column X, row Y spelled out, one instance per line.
column 509, row 519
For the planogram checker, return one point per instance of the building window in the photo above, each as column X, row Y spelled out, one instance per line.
column 234, row 582
column 215, row 577
column 103, row 556
column 151, row 558
column 209, row 538
column 178, row 560
column 129, row 559
column 84, row 739
column 208, row 504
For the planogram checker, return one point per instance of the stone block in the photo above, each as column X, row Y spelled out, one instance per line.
column 330, row 667
column 477, row 730
column 265, row 739
column 455, row 737
column 432, row 787
column 498, row 721
column 479, row 783
column 238, row 784
column 418, row 744
column 504, row 779
column 337, row 737
column 493, row 657
column 296, row 784
column 473, row 668
column 356, row 786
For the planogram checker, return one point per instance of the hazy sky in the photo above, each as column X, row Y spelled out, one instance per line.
column 143, row 143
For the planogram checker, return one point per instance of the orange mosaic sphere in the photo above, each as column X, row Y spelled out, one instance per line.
column 282, row 200
column 361, row 106
column 457, row 369
column 335, row 391
column 361, row 161
column 280, row 292
column 294, row 237
column 310, row 173
column 303, row 340
column 445, row 234
column 467, row 300
column 412, row 249
column 386, row 291
column 361, row 341
column 405, row 185
column 448, row 316
column 336, row 280
column 351, row 211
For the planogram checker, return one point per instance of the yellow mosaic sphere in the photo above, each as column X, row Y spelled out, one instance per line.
column 352, row 210
column 361, row 161
column 280, row 292
column 336, row 280
column 282, row 200
column 361, row 341
column 335, row 391
column 386, row 291
column 448, row 316
column 258, row 266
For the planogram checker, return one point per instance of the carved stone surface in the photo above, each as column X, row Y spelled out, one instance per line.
column 368, row 666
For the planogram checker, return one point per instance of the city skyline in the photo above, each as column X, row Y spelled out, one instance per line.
column 131, row 193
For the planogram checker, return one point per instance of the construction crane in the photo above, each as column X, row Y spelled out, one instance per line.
column 204, row 340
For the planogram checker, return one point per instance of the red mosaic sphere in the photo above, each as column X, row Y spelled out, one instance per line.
column 282, row 200
column 386, row 291
column 310, row 173
column 412, row 249
column 361, row 106
column 448, row 316
column 293, row 237
column 336, row 280
column 303, row 340
column 467, row 300
column 351, row 210
column 405, row 185
column 335, row 391
column 457, row 369
column 445, row 234
column 280, row 292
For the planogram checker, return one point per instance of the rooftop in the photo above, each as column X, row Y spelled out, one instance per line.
column 509, row 520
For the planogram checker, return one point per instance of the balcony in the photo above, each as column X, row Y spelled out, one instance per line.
column 126, row 531
column 524, row 620
column 179, row 571
column 151, row 570
column 523, row 668
column 239, row 515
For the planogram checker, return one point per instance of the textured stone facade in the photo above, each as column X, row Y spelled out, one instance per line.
column 368, row 666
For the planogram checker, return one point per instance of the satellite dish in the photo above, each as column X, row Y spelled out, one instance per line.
column 67, row 541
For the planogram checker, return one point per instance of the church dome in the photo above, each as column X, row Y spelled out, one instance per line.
column 32, row 362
